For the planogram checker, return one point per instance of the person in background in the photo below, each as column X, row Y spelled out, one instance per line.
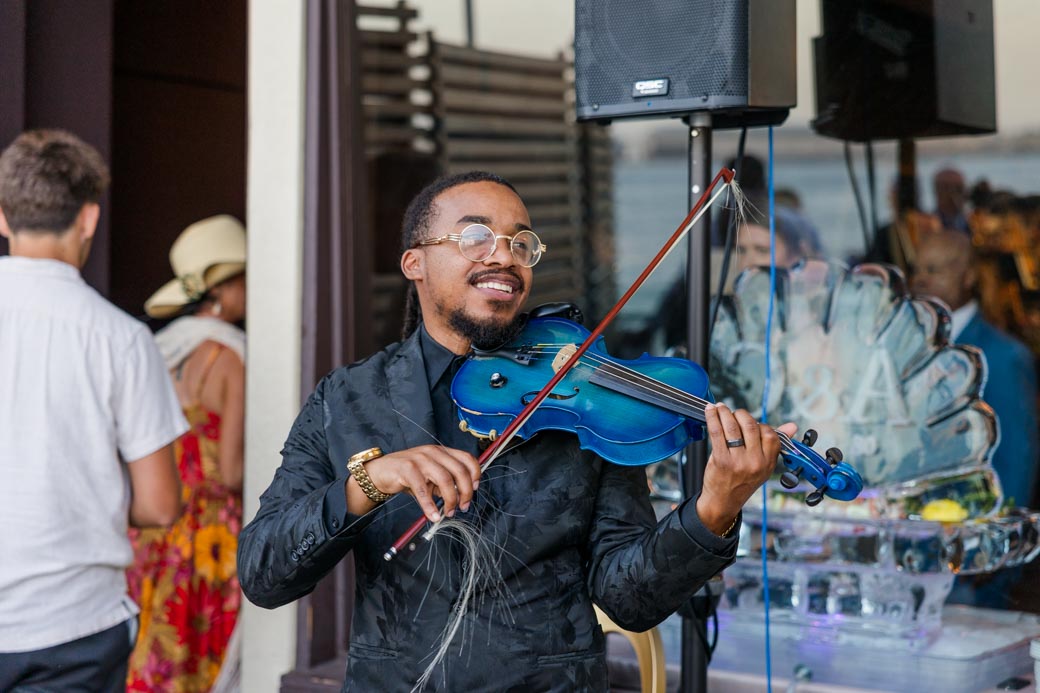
column 752, row 173
column 87, row 420
column 788, row 197
column 752, row 182
column 951, row 197
column 796, row 237
column 890, row 243
column 945, row 269
column 185, row 579
column 981, row 195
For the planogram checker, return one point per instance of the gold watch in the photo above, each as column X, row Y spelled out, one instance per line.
column 356, row 467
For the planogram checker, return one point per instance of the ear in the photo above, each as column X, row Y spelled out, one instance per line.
column 5, row 230
column 971, row 278
column 413, row 263
column 87, row 220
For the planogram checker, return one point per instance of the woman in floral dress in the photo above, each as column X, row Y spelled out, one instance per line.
column 184, row 579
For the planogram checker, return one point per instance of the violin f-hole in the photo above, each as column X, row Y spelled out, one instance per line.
column 528, row 396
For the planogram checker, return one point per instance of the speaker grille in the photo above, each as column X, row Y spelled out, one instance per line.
column 699, row 45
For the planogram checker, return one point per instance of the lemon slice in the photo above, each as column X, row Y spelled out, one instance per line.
column 943, row 510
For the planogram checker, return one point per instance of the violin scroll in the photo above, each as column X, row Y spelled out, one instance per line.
column 829, row 475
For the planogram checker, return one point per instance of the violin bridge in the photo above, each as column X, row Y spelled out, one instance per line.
column 563, row 356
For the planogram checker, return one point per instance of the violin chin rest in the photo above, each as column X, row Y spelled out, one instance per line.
column 565, row 310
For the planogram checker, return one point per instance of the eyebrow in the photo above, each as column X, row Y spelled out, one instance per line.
column 486, row 221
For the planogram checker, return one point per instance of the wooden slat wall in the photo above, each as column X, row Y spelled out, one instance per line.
column 389, row 82
column 509, row 114
column 399, row 144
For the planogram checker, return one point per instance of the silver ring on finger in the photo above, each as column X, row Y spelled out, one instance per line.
column 734, row 442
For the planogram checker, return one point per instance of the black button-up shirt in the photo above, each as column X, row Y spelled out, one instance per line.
column 441, row 366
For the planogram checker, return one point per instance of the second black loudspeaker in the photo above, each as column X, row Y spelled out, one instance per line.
column 889, row 69
column 659, row 58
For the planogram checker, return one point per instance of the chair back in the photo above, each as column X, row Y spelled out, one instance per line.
column 649, row 652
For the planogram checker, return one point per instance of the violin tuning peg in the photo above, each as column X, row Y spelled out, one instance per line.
column 810, row 436
column 789, row 480
column 814, row 498
column 833, row 456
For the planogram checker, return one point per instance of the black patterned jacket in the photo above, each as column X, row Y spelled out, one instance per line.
column 569, row 529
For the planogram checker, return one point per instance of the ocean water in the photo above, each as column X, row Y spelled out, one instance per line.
column 650, row 201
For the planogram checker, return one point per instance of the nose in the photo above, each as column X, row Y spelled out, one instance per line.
column 503, row 254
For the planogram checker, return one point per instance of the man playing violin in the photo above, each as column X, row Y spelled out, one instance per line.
column 568, row 529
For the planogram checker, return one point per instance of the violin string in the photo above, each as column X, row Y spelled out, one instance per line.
column 641, row 380
column 634, row 377
column 668, row 392
column 661, row 388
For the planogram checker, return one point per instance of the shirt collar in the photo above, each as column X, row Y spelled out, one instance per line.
column 45, row 267
column 437, row 358
column 960, row 318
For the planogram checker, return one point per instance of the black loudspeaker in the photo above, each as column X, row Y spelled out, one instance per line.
column 735, row 58
column 893, row 69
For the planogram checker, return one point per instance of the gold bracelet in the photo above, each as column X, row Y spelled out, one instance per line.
column 356, row 467
column 729, row 529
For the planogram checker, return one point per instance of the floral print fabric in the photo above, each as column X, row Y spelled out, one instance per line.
column 184, row 578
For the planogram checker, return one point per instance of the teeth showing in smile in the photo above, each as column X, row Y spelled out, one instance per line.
column 498, row 286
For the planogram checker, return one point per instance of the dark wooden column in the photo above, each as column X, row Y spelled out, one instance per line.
column 179, row 132
column 56, row 72
column 337, row 253
column 337, row 259
column 12, row 70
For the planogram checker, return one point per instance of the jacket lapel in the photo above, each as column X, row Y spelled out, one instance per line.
column 410, row 394
column 971, row 332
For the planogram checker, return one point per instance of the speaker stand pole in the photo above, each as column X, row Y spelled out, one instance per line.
column 698, row 295
column 906, row 200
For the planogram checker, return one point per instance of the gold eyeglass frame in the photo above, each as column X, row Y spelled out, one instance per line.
column 540, row 249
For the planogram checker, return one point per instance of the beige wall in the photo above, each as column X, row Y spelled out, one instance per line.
column 275, row 211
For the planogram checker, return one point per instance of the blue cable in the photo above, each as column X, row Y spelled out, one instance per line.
column 765, row 402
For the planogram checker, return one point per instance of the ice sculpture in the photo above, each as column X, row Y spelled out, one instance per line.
column 872, row 370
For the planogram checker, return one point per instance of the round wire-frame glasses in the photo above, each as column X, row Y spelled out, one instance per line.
column 477, row 243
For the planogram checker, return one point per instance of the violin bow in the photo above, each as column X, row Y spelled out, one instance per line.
column 498, row 445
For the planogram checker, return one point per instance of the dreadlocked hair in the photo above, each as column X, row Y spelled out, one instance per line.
column 416, row 225
column 412, row 312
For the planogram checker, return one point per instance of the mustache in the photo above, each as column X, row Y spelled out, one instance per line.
column 485, row 274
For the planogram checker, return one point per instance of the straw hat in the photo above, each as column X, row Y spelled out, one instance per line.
column 206, row 253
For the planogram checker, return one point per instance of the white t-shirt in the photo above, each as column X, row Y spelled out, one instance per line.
column 83, row 389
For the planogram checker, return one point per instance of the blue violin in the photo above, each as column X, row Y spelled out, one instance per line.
column 630, row 412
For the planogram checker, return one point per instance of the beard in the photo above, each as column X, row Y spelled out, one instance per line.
column 487, row 334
